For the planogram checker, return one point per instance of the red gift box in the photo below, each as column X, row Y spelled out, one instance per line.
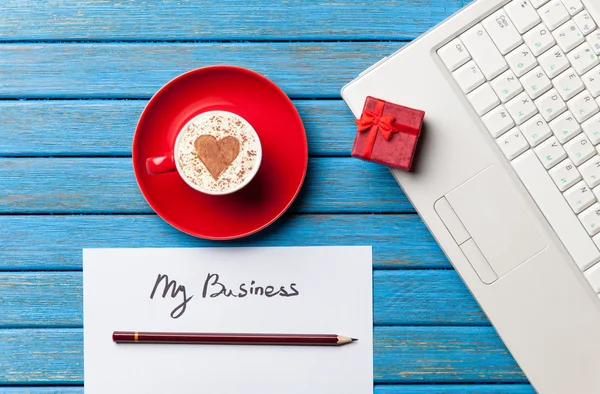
column 387, row 133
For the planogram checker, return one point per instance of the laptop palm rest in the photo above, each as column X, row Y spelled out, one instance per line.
column 502, row 234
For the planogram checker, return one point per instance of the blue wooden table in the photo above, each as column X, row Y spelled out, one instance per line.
column 74, row 77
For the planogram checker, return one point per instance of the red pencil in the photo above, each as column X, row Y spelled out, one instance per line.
column 231, row 339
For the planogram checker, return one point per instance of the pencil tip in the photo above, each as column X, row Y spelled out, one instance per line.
column 354, row 339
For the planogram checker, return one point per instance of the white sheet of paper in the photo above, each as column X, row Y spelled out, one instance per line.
column 334, row 286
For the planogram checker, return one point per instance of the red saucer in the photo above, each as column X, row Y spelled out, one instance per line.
column 269, row 111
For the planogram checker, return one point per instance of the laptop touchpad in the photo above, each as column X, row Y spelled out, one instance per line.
column 494, row 216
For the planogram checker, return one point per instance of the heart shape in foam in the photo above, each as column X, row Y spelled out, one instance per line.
column 217, row 155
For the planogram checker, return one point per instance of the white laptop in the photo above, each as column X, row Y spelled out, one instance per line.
column 507, row 175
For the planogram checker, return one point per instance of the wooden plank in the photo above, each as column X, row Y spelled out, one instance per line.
column 105, row 127
column 49, row 356
column 423, row 297
column 54, row 242
column 455, row 389
column 37, row 299
column 309, row 70
column 379, row 389
column 401, row 355
column 223, row 20
column 442, row 354
column 100, row 185
column 413, row 297
column 43, row 390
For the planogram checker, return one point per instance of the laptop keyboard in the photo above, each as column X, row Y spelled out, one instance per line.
column 531, row 72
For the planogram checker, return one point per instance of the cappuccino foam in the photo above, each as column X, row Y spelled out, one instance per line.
column 219, row 125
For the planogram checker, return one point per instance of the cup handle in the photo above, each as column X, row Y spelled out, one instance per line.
column 160, row 164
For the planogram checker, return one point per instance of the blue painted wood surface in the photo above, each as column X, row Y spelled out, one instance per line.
column 66, row 180
column 54, row 242
column 381, row 389
column 400, row 298
column 138, row 70
column 223, row 20
column 99, row 185
column 402, row 354
column 103, row 127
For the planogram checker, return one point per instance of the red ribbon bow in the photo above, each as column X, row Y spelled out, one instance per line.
column 374, row 122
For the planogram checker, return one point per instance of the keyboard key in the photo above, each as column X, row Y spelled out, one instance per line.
column 454, row 54
column 521, row 108
column 498, row 121
column 483, row 99
column 551, row 105
column 568, row 84
column 583, row 59
column 590, row 218
column 580, row 149
column 580, row 197
column 596, row 240
column 507, row 86
column 484, row 52
column 521, row 60
column 593, row 277
column 596, row 191
column 539, row 39
column 503, row 31
column 536, row 130
column 565, row 127
column 583, row 106
column 565, row 175
column 539, row 3
column 592, row 81
column 594, row 40
column 585, row 22
column 556, row 210
column 590, row 170
column 568, row 36
column 592, row 129
column 550, row 152
column 554, row 62
column 522, row 14
column 573, row 6
column 554, row 14
column 593, row 8
column 469, row 77
column 536, row 83
column 512, row 144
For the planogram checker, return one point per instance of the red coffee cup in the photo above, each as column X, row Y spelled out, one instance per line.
column 209, row 182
